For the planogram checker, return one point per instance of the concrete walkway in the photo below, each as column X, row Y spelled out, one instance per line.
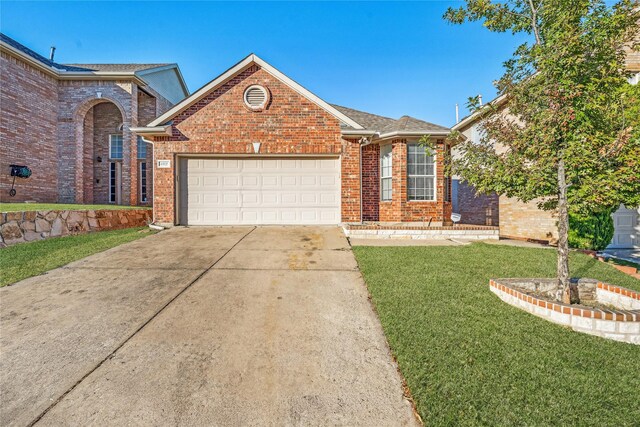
column 200, row 326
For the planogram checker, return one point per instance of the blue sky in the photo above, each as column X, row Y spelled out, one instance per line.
column 388, row 58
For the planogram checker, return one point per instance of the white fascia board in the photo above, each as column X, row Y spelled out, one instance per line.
column 471, row 119
column 397, row 134
column 358, row 132
column 199, row 94
column 152, row 131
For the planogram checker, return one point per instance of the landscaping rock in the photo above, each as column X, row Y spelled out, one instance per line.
column 91, row 214
column 28, row 226
column 11, row 232
column 29, row 216
column 42, row 225
column 51, row 216
column 30, row 236
column 14, row 216
column 42, row 214
column 93, row 222
column 56, row 227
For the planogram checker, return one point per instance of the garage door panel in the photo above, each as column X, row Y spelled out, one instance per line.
column 263, row 191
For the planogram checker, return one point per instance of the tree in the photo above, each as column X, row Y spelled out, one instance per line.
column 565, row 129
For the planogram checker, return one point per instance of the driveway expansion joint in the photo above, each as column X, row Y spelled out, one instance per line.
column 127, row 339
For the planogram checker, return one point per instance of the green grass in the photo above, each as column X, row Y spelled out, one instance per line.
column 15, row 207
column 25, row 260
column 471, row 359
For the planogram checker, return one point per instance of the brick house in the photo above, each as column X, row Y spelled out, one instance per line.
column 520, row 220
column 70, row 124
column 255, row 147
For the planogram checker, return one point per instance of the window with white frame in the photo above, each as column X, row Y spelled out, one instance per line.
column 142, row 148
column 115, row 147
column 113, row 182
column 421, row 173
column 386, row 183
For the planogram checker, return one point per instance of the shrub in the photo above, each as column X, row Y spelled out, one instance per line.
column 593, row 231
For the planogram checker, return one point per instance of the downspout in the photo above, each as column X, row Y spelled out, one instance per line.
column 363, row 143
column 153, row 168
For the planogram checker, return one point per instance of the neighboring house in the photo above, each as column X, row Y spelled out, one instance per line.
column 524, row 220
column 70, row 124
column 254, row 147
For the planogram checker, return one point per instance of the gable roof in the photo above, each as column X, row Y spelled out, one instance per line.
column 240, row 66
column 386, row 126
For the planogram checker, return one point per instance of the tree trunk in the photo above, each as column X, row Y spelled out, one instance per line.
column 563, row 292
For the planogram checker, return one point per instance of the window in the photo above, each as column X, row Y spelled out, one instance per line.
column 142, row 148
column 113, row 181
column 143, row 182
column 421, row 173
column 386, row 183
column 115, row 146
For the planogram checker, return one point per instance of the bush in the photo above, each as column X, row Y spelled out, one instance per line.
column 593, row 232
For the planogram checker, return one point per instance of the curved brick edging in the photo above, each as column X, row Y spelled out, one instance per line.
column 27, row 226
column 617, row 324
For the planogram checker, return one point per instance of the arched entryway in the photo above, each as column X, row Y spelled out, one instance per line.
column 102, row 153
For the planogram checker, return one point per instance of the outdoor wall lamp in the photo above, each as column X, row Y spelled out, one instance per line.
column 99, row 159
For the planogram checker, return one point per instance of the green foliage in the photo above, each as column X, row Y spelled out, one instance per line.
column 564, row 95
column 469, row 359
column 593, row 232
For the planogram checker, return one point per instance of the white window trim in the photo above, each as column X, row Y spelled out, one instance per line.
column 110, row 141
column 390, row 177
column 435, row 176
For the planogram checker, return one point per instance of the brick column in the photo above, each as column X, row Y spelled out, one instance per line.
column 350, row 180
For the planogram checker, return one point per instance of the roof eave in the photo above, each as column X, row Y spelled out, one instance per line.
column 471, row 119
column 358, row 132
column 29, row 59
column 152, row 130
column 413, row 134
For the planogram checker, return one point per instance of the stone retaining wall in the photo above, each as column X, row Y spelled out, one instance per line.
column 19, row 227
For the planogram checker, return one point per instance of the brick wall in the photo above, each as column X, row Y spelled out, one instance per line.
column 28, row 109
column 221, row 123
column 400, row 209
column 371, row 182
column 526, row 221
column 476, row 208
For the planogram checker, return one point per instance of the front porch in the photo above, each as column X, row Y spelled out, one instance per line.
column 420, row 231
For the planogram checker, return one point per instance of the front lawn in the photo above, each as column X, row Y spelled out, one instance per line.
column 16, row 207
column 24, row 260
column 471, row 359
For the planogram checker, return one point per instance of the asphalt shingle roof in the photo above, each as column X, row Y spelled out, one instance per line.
column 116, row 67
column 76, row 67
column 386, row 124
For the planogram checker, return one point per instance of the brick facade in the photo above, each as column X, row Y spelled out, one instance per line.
column 59, row 128
column 371, row 183
column 220, row 123
column 477, row 208
column 525, row 221
column 29, row 111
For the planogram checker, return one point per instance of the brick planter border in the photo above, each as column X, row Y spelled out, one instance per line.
column 617, row 324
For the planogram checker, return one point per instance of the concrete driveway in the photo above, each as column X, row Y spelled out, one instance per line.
column 200, row 326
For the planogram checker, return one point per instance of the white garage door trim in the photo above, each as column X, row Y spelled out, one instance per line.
column 224, row 190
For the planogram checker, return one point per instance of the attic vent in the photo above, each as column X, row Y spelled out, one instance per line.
column 256, row 97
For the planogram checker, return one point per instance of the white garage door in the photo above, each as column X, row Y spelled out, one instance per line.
column 627, row 229
column 261, row 191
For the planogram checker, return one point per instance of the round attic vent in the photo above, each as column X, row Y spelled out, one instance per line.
column 256, row 97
